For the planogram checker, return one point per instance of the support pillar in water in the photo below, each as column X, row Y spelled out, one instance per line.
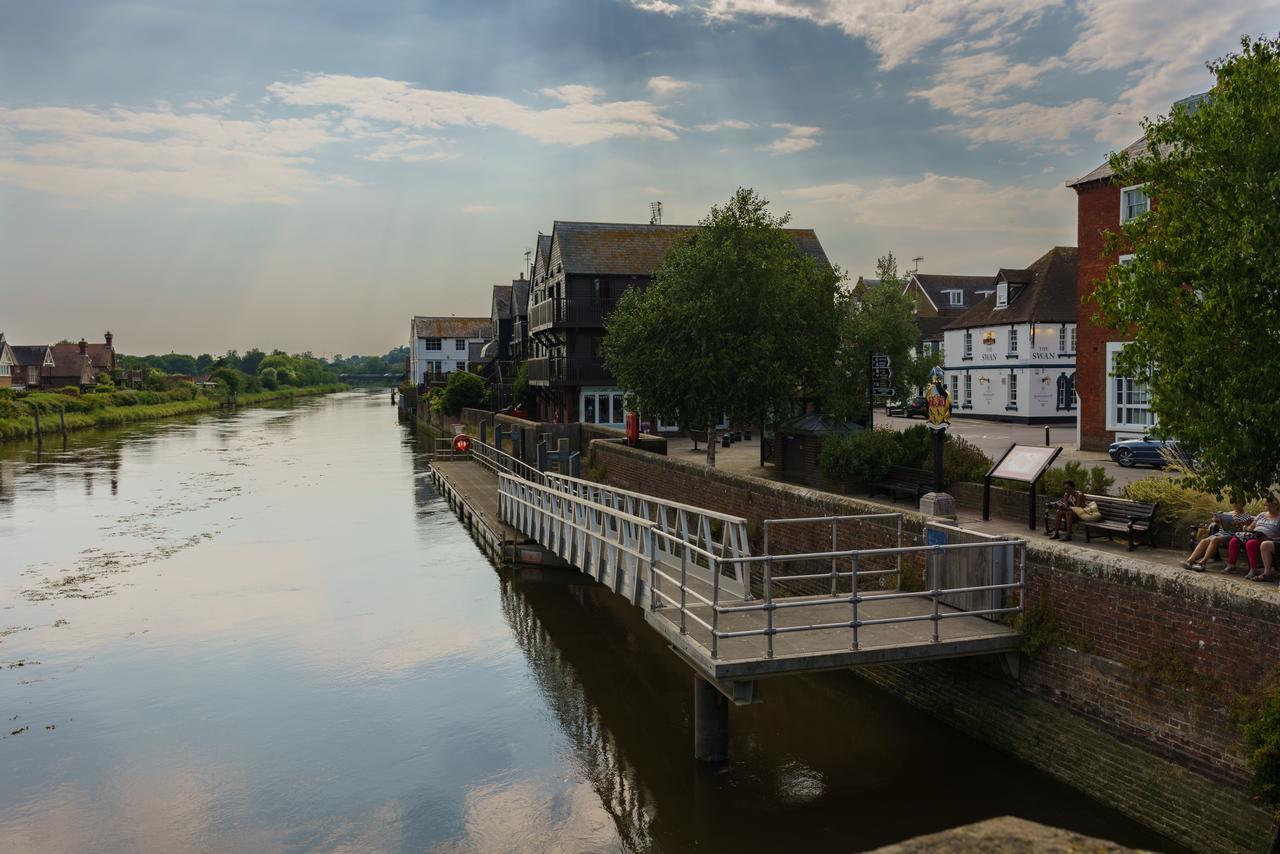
column 710, row 722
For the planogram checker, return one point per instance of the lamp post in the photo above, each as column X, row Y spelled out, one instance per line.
column 938, row 503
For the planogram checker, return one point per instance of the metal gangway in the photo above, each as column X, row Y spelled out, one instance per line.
column 738, row 616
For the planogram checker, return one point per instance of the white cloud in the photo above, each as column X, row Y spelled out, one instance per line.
column 798, row 138
column 663, row 85
column 411, row 149
column 945, row 203
column 725, row 124
column 121, row 153
column 896, row 30
column 582, row 120
column 660, row 7
column 478, row 209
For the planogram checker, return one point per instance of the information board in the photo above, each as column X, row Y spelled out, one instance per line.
column 1024, row 463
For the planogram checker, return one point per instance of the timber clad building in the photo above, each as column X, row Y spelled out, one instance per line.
column 580, row 271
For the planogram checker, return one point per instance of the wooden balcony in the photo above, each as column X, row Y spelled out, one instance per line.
column 569, row 312
column 585, row 370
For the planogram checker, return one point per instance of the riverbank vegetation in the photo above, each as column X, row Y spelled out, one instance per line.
column 19, row 410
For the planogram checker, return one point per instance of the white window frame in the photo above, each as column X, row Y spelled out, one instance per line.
column 1011, row 392
column 1069, row 386
column 955, row 297
column 968, row 390
column 1013, row 342
column 1002, row 295
column 428, row 342
column 1125, row 259
column 1115, row 383
column 460, row 344
column 1124, row 206
column 1072, row 333
column 968, row 344
column 4, row 369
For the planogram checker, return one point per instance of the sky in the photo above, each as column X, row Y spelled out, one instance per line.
column 309, row 174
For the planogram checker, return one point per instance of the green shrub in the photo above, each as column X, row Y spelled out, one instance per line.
column 915, row 447
column 860, row 457
column 1176, row 500
column 963, row 462
column 1259, row 717
column 269, row 379
column 463, row 390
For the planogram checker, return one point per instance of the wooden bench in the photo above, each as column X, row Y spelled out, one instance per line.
column 1119, row 515
column 900, row 479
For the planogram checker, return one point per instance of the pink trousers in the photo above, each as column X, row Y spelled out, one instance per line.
column 1252, row 548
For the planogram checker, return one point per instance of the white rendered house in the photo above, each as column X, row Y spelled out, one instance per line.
column 1012, row 357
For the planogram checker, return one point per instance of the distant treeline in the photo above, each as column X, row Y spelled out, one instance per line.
column 260, row 369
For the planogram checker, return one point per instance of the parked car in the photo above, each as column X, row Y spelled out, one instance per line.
column 1147, row 451
column 908, row 409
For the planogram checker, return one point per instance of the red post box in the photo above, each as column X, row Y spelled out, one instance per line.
column 633, row 428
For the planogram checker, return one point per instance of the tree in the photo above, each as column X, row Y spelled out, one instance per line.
column 229, row 377
column 880, row 320
column 736, row 321
column 1199, row 297
column 461, row 391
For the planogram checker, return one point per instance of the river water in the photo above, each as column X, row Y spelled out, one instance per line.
column 263, row 631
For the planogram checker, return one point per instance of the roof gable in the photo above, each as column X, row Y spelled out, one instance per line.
column 38, row 355
column 1048, row 294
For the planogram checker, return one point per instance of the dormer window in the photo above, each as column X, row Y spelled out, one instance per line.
column 1134, row 202
column 955, row 297
column 1002, row 295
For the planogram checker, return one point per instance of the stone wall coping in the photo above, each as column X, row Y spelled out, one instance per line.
column 1207, row 588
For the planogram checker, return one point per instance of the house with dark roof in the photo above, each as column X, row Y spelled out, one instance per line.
column 441, row 345
column 1111, row 407
column 1012, row 356
column 72, row 366
column 940, row 298
column 31, row 363
column 7, row 363
column 576, row 282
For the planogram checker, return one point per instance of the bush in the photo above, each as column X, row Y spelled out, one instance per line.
column 858, row 458
column 1094, row 481
column 269, row 379
column 462, row 390
column 915, row 447
column 1176, row 500
column 1259, row 718
column 963, row 462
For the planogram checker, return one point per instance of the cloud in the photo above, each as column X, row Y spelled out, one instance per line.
column 798, row 138
column 664, row 85
column 660, row 7
column 944, row 203
column 896, row 30
column 582, row 120
column 410, row 149
column 478, row 209
column 725, row 124
column 122, row 153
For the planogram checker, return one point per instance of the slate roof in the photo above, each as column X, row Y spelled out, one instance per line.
column 1049, row 296
column 27, row 355
column 451, row 327
column 520, row 296
column 99, row 355
column 815, row 424
column 634, row 249
column 501, row 302
column 934, row 284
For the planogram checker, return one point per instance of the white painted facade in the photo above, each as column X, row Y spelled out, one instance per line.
column 442, row 354
column 1021, row 371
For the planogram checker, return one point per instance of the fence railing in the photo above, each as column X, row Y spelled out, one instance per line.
column 628, row 542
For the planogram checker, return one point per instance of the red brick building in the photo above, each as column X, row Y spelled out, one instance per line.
column 1111, row 407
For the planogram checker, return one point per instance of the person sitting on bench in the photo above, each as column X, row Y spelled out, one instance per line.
column 1225, row 524
column 1258, row 542
column 1071, row 497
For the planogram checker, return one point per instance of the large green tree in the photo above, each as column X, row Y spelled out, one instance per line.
column 876, row 321
column 736, row 321
column 1201, row 296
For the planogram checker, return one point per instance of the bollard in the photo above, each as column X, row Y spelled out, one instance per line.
column 1046, row 435
column 484, row 432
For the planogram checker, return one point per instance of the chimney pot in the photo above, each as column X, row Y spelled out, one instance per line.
column 108, row 337
column 84, row 346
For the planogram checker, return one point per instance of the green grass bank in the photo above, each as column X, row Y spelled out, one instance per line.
column 118, row 408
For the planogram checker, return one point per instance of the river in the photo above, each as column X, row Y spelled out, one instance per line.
column 263, row 631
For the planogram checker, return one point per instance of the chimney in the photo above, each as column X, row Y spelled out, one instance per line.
column 108, row 338
column 84, row 347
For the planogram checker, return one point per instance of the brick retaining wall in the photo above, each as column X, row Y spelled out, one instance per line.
column 1150, row 655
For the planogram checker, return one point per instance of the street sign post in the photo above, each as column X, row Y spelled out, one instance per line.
column 879, row 383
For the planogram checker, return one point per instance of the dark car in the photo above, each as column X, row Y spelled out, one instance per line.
column 1147, row 451
column 908, row 409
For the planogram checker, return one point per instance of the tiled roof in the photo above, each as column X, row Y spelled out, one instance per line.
column 520, row 297
column 99, row 355
column 1049, row 296
column 33, row 354
column 934, row 284
column 634, row 249
column 68, row 361
column 501, row 302
column 451, row 327
column 1136, row 148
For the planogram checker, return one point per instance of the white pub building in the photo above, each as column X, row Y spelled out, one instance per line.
column 1012, row 357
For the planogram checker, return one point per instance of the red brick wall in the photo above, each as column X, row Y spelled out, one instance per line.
column 1151, row 654
column 1098, row 210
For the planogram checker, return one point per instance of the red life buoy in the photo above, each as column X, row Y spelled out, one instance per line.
column 461, row 443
